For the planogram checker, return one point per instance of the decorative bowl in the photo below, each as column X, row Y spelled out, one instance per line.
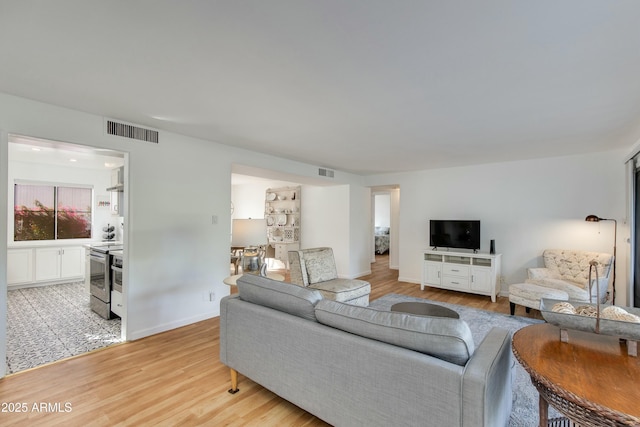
column 627, row 330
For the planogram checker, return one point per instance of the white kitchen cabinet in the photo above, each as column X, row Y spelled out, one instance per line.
column 19, row 266
column 59, row 263
column 47, row 264
column 72, row 262
column 117, row 304
column 466, row 272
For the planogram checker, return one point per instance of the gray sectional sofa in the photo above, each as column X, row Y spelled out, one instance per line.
column 355, row 366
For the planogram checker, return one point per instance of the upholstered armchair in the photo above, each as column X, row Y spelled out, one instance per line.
column 568, row 270
column 315, row 268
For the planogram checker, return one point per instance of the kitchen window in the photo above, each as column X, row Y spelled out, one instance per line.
column 51, row 212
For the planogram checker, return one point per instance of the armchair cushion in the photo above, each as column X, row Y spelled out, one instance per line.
column 575, row 291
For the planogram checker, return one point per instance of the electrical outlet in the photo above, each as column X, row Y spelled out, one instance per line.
column 212, row 296
column 214, row 219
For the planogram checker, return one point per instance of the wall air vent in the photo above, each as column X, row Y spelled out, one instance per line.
column 129, row 131
column 325, row 172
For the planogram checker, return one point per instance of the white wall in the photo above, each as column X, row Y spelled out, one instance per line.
column 526, row 206
column 248, row 201
column 325, row 222
column 359, row 222
column 382, row 216
column 394, row 236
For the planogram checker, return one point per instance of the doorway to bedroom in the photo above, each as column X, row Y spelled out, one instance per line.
column 385, row 203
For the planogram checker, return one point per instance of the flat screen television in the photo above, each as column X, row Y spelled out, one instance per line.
column 459, row 234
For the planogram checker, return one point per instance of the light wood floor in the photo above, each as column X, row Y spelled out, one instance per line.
column 173, row 378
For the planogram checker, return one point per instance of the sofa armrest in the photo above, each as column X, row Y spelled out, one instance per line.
column 487, row 380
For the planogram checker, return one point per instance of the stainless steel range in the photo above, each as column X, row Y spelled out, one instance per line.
column 100, row 277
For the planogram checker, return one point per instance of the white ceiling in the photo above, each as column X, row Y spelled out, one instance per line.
column 361, row 86
column 40, row 151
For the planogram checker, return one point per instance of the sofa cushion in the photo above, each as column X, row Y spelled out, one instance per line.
column 445, row 338
column 282, row 296
column 320, row 266
column 342, row 289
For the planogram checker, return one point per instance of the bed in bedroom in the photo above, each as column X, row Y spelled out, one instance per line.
column 381, row 236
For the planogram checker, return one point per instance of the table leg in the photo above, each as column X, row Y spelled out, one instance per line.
column 543, row 411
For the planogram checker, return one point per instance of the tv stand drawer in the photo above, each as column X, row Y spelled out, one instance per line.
column 456, row 282
column 455, row 270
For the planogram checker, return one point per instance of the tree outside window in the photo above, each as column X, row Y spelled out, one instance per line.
column 46, row 212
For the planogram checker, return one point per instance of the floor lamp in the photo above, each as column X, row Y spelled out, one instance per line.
column 594, row 218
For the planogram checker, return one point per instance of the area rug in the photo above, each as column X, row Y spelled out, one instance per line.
column 49, row 323
column 525, row 397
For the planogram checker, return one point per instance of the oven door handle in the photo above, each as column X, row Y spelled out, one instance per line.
column 101, row 258
column 118, row 269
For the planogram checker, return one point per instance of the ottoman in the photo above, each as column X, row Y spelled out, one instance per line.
column 529, row 295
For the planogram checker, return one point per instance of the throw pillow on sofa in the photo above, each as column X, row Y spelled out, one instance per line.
column 445, row 338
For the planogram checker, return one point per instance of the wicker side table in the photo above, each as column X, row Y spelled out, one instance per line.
column 591, row 379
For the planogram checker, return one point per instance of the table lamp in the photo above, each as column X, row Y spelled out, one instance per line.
column 249, row 234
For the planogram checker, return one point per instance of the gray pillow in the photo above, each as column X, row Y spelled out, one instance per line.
column 445, row 338
column 282, row 296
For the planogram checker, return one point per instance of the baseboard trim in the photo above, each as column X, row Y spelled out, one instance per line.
column 355, row 276
column 408, row 279
column 136, row 335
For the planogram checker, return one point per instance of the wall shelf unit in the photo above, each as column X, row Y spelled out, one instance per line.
column 282, row 215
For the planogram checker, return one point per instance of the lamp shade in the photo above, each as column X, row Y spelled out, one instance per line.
column 592, row 218
column 248, row 232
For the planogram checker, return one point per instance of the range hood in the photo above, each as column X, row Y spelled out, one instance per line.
column 117, row 187
column 117, row 180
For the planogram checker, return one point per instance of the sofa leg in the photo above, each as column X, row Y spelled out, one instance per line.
column 512, row 308
column 527, row 309
column 234, row 382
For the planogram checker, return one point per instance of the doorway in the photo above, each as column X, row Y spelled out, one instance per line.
column 48, row 315
column 385, row 208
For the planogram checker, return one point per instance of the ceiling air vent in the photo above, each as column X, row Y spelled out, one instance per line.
column 129, row 131
column 325, row 172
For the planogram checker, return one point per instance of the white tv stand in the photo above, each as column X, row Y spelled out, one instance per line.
column 476, row 273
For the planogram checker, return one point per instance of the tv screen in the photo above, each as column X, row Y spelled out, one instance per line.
column 459, row 234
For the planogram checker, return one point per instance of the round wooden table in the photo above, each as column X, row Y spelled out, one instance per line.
column 590, row 379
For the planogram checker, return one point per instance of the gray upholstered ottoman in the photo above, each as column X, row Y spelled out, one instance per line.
column 529, row 295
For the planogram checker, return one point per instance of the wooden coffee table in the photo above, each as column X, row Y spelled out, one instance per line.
column 590, row 379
